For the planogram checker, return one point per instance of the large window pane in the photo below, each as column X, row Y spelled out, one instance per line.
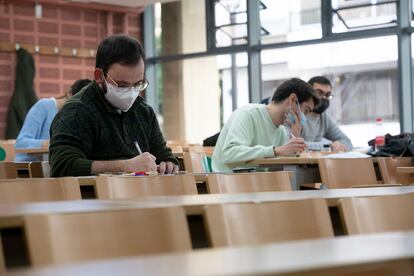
column 292, row 20
column 180, row 27
column 196, row 95
column 363, row 14
column 230, row 22
column 234, row 82
column 364, row 84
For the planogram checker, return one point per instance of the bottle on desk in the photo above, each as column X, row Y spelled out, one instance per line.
column 379, row 134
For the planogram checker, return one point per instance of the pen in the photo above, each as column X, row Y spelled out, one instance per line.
column 138, row 148
column 292, row 136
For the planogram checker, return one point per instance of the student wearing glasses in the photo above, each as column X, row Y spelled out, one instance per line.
column 108, row 127
column 320, row 124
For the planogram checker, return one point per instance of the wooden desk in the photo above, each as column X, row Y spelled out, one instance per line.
column 405, row 169
column 359, row 253
column 305, row 169
column 43, row 152
column 12, row 215
column 9, row 213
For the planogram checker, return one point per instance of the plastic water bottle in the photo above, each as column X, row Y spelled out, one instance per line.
column 379, row 134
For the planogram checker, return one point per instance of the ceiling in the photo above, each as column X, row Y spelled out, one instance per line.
column 124, row 3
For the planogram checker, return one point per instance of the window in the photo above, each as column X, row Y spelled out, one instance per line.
column 179, row 34
column 364, row 84
column 363, row 14
column 230, row 22
column 293, row 20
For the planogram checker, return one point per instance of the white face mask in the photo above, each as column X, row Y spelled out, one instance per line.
column 121, row 97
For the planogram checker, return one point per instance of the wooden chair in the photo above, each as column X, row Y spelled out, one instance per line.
column 388, row 170
column 8, row 170
column 248, row 182
column 250, row 223
column 199, row 148
column 124, row 187
column 181, row 143
column 7, row 149
column 195, row 162
column 176, row 149
column 63, row 238
column 345, row 173
column 39, row 169
column 364, row 215
column 40, row 189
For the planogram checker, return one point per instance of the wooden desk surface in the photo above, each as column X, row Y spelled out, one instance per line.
column 290, row 161
column 351, row 252
column 12, row 214
column 405, row 169
column 33, row 150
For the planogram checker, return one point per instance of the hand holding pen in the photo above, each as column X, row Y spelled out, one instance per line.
column 143, row 162
column 163, row 168
column 293, row 147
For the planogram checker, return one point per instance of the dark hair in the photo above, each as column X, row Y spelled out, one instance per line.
column 78, row 85
column 120, row 49
column 297, row 86
column 320, row 80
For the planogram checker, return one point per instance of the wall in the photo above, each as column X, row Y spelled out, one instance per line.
column 60, row 26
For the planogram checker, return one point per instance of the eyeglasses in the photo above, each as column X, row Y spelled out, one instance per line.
column 140, row 85
column 324, row 95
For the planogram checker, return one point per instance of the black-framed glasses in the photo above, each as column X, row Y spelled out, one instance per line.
column 141, row 85
column 324, row 95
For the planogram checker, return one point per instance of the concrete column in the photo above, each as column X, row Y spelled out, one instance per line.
column 191, row 87
column 172, row 73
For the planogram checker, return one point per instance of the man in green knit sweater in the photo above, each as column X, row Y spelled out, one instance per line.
column 107, row 127
column 256, row 130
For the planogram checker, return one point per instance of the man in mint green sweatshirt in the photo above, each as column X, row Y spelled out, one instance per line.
column 256, row 130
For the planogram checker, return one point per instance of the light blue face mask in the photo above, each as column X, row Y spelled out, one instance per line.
column 292, row 117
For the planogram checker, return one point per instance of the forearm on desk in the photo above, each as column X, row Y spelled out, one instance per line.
column 242, row 153
column 107, row 166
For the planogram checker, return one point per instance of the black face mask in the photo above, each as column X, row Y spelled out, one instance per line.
column 322, row 106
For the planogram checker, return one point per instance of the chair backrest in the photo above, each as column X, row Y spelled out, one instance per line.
column 388, row 168
column 40, row 189
column 64, row 238
column 39, row 169
column 250, row 223
column 8, row 170
column 193, row 162
column 363, row 215
column 206, row 150
column 218, row 183
column 124, row 187
column 7, row 152
column 181, row 143
column 345, row 173
column 176, row 149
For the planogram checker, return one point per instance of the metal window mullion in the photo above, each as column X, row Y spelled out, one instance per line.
column 210, row 24
column 326, row 17
column 149, row 46
column 406, row 101
column 255, row 70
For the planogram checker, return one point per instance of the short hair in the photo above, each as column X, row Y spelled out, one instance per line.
column 78, row 85
column 121, row 49
column 301, row 89
column 320, row 80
